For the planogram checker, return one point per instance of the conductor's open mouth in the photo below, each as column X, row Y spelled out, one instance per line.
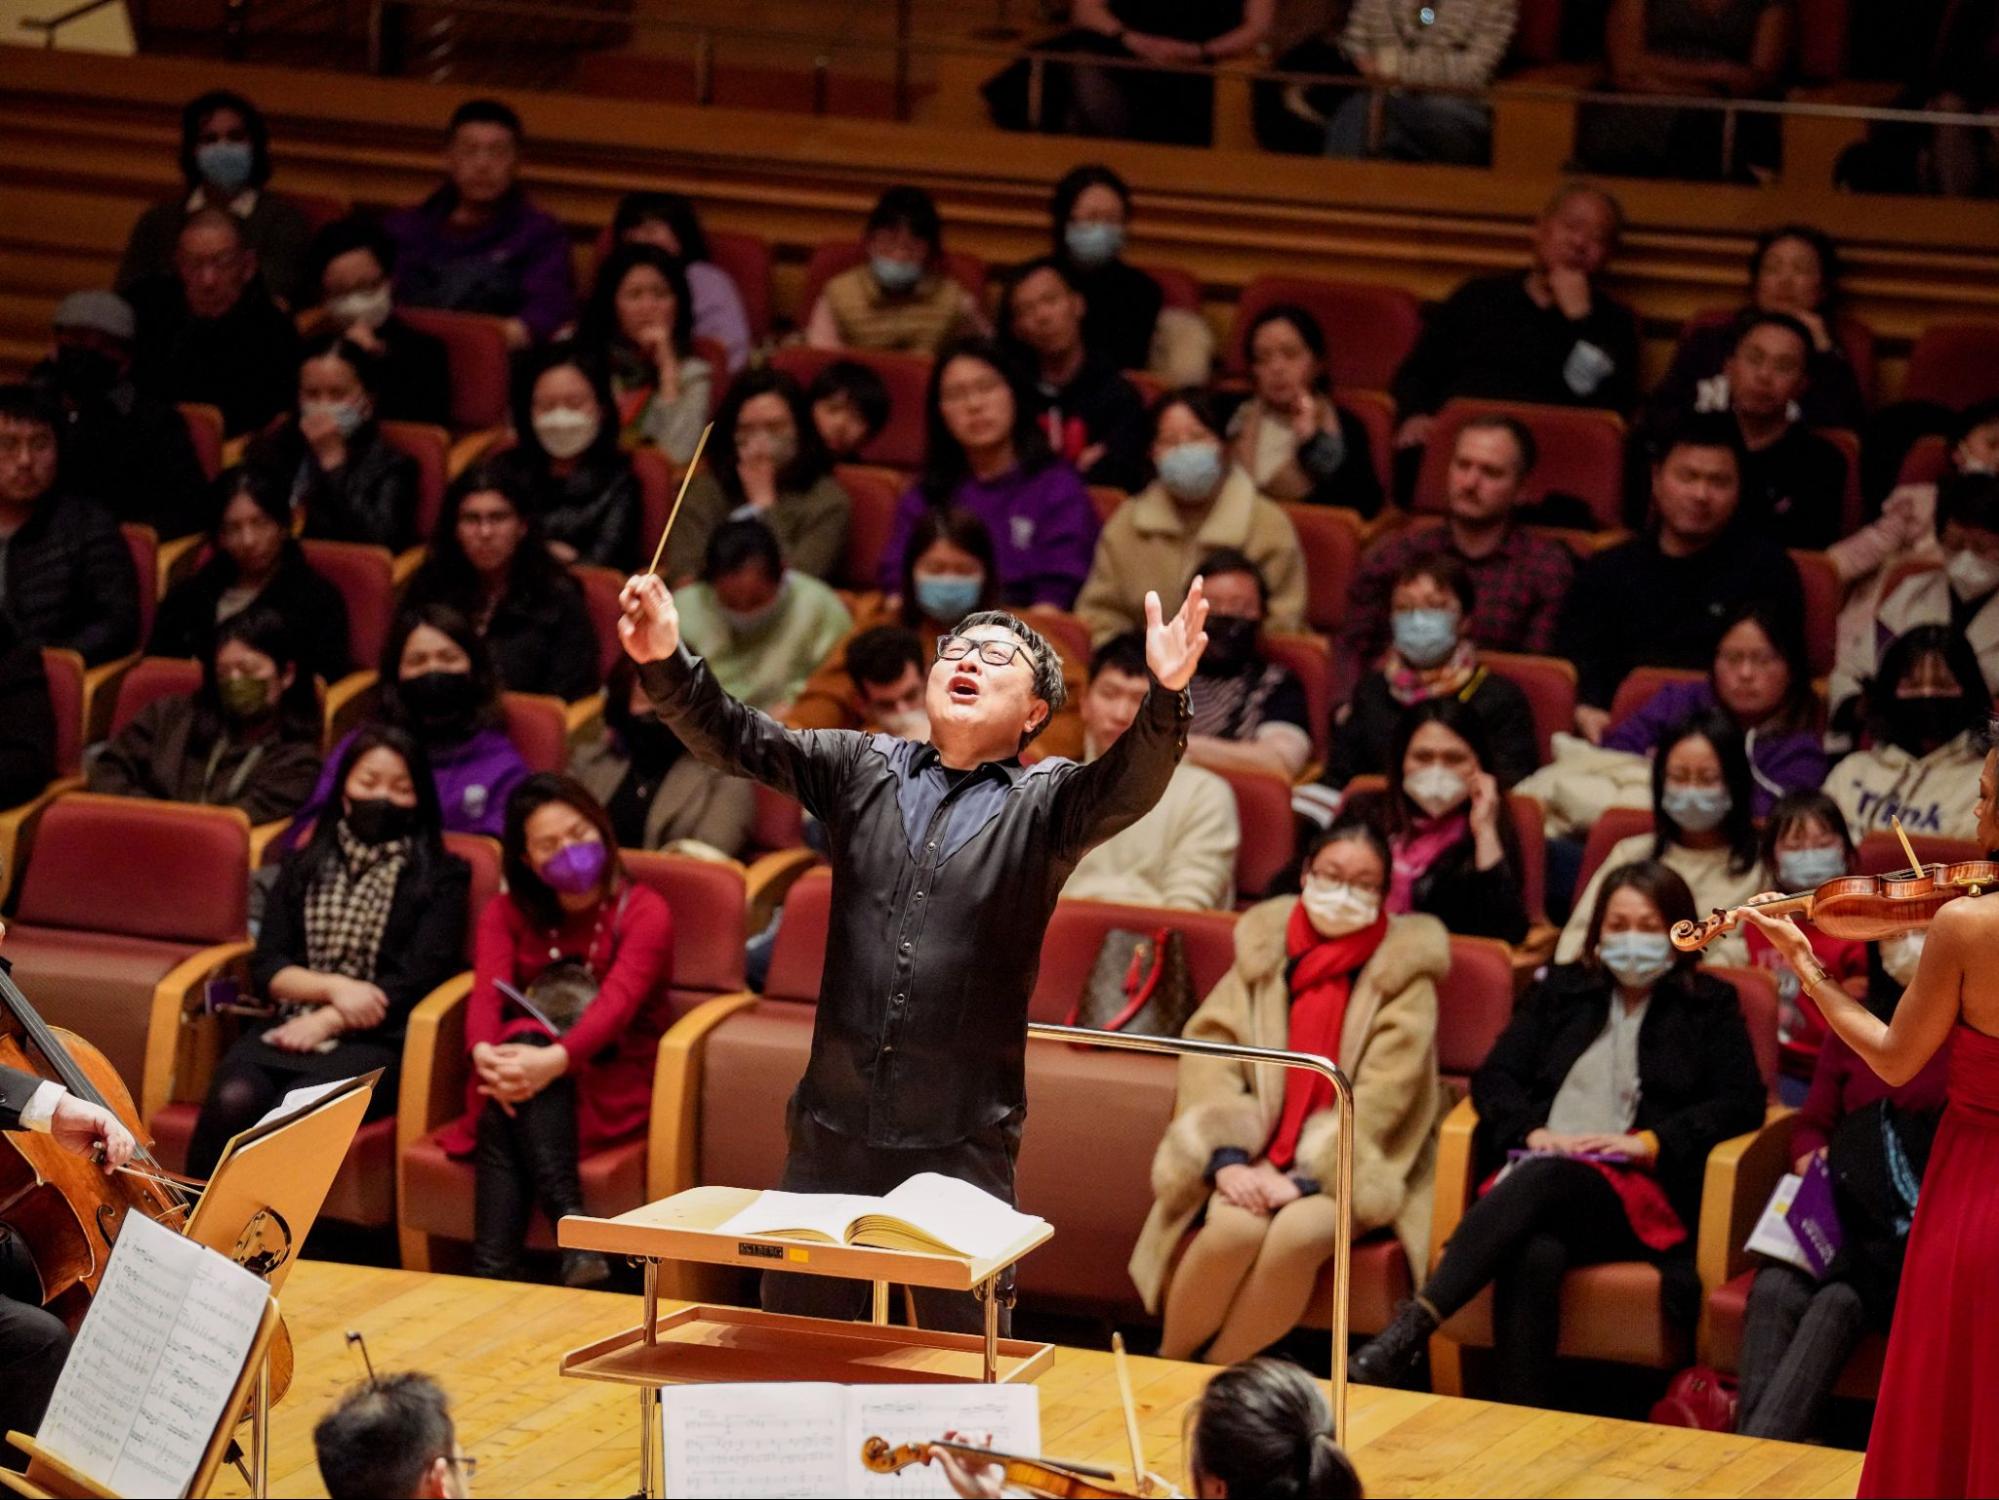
column 963, row 687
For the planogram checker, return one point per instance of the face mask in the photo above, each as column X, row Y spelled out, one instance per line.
column 564, row 431
column 244, row 697
column 1975, row 466
column 1638, row 959
column 377, row 820
column 948, row 597
column 750, row 621
column 1808, row 869
column 905, row 723
column 439, row 701
column 576, row 868
column 1901, row 954
column 368, row 309
column 85, row 372
column 1435, row 789
column 1919, row 725
column 1971, row 576
column 1424, row 637
column 1191, row 471
column 1094, row 243
column 1336, row 909
column 1231, row 642
column 347, row 415
column 894, row 275
column 1696, row 809
column 775, row 449
column 225, row 165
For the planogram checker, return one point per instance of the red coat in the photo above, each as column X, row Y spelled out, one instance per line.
column 613, row 1046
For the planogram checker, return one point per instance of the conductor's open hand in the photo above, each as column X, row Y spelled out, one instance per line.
column 83, row 1127
column 649, row 625
column 1173, row 647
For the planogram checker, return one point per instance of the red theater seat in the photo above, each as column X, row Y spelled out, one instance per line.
column 1954, row 364
column 1369, row 329
column 475, row 350
column 875, row 493
column 1581, row 454
column 907, row 376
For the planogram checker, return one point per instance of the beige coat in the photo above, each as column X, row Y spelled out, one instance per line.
column 693, row 801
column 1388, row 1046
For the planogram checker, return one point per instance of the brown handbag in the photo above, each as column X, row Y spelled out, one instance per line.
column 1139, row 983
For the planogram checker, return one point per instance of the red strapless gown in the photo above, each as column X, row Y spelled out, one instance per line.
column 1936, row 1427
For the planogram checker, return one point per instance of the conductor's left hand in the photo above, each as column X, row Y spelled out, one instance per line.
column 82, row 1127
column 649, row 626
column 1173, row 647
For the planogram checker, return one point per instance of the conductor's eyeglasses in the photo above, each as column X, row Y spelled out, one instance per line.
column 992, row 653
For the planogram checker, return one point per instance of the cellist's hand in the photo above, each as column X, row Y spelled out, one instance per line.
column 83, row 1127
column 967, row 1476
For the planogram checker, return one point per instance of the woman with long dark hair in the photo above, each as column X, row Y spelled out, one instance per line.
column 639, row 322
column 668, row 221
column 579, row 482
column 1288, row 436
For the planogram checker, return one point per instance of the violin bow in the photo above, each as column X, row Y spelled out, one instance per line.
column 1915, row 865
column 674, row 514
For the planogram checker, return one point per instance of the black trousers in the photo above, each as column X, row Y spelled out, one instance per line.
column 824, row 1161
column 33, row 1345
column 251, row 1078
column 523, row 1159
column 1521, row 1239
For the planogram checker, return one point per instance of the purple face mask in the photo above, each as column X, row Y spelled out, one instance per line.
column 576, row 868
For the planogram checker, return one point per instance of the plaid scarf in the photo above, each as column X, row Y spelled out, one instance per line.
column 347, row 905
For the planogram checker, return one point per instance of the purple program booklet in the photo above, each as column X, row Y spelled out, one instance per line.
column 1814, row 1218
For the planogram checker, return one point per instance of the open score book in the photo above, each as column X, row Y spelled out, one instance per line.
column 930, row 1213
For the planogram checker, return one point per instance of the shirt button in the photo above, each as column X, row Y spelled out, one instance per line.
column 919, row 895
column 931, row 847
column 905, row 945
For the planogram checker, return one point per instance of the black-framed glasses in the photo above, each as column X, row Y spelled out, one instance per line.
column 992, row 653
column 465, row 1464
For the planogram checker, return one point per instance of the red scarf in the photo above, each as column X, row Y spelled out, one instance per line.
column 1322, row 975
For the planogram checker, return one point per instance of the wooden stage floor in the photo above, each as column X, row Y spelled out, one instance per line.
column 495, row 1346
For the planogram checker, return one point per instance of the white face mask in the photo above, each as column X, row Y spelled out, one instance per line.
column 564, row 431
column 1901, row 953
column 1971, row 576
column 1435, row 789
column 905, row 723
column 369, row 309
column 1336, row 909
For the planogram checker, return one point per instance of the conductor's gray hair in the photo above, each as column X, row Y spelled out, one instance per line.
column 1048, row 684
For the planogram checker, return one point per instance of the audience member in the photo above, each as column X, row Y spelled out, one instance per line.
column 225, row 161
column 1793, row 271
column 1455, row 47
column 1927, row 709
column 361, row 924
column 986, row 454
column 65, row 572
column 348, row 482
column 121, row 447
column 1250, row 714
column 850, row 407
column 901, row 298
column 760, row 626
column 1703, row 831
column 1289, row 436
column 254, row 560
column 1092, row 415
column 1761, row 680
column 27, row 719
column 477, row 243
column 594, row 949
column 1430, row 658
column 655, row 793
column 1182, row 853
column 1250, row 1164
column 211, row 333
column 1658, row 600
column 488, row 561
column 1126, row 323
column 890, row 666
column 639, row 324
column 579, row 483
column 668, row 222
column 248, row 738
column 1455, row 854
column 1618, row 1074
column 439, row 689
column 765, row 460
column 1548, row 334
column 392, row 1436
column 1200, row 502
column 1520, row 579
column 351, row 269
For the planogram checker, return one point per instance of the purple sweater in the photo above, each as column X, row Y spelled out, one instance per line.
column 515, row 267
column 1044, row 533
column 474, row 779
column 1791, row 762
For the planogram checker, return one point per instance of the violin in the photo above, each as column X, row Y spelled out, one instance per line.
column 1859, row 908
column 1038, row 1476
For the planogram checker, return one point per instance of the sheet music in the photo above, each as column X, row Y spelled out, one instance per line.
column 738, row 1442
column 155, row 1362
column 1004, row 1417
column 300, row 1099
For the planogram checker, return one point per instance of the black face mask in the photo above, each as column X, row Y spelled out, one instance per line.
column 85, row 372
column 377, row 820
column 1231, row 643
column 441, row 702
column 1919, row 725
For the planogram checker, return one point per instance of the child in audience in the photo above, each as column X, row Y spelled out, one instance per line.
column 901, row 298
column 850, row 408
column 1289, row 437
column 639, row 324
column 668, row 222
column 580, row 484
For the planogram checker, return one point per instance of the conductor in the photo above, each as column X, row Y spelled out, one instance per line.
column 947, row 861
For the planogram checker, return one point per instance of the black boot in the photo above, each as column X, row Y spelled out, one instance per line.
column 1390, row 1356
column 584, row 1268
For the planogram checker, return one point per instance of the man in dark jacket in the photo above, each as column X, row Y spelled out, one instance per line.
column 1093, row 416
column 65, row 572
column 27, row 719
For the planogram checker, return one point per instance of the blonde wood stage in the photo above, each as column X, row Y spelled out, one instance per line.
column 495, row 1346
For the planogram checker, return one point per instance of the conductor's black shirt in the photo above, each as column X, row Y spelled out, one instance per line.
column 943, row 884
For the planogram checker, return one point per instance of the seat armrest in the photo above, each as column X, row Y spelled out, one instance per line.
column 404, row 568
column 768, row 881
column 1741, row 1175
column 261, row 838
column 100, row 692
column 585, row 719
column 1454, row 1175
column 180, row 1041
column 347, row 703
column 176, row 558
column 674, row 1135
column 469, row 447
column 17, row 831
column 435, row 1066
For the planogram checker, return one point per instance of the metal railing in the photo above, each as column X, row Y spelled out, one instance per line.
column 48, row 26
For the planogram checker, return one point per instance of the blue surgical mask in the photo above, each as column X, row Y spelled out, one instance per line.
column 1637, row 959
column 1696, row 809
column 1191, row 471
column 1808, row 869
column 347, row 415
column 894, row 275
column 1424, row 637
column 948, row 597
column 1093, row 242
column 225, row 165
column 749, row 621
